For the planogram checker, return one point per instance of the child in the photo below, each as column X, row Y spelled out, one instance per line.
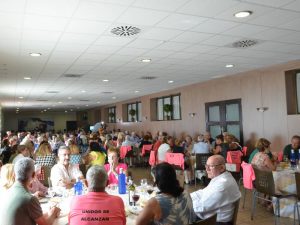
column 36, row 187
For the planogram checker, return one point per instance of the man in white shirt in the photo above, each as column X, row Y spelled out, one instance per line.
column 64, row 174
column 219, row 196
column 201, row 147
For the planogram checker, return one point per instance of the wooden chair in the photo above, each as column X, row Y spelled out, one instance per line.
column 45, row 174
column 209, row 221
column 264, row 183
column 296, row 206
column 201, row 160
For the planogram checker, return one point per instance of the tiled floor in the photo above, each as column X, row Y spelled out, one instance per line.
column 262, row 216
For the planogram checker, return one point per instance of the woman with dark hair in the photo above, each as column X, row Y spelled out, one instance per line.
column 172, row 205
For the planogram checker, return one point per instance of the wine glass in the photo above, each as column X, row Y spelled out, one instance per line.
column 144, row 184
column 135, row 198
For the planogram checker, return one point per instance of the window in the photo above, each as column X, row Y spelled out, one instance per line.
column 168, row 108
column 134, row 112
column 292, row 87
column 112, row 114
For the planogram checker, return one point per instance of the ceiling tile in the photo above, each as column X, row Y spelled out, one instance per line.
column 294, row 5
column 11, row 20
column 245, row 30
column 87, row 26
column 141, row 16
column 160, row 34
column 144, row 43
column 215, row 26
column 207, row 8
column 181, row 21
column 220, row 40
column 192, row 37
column 272, row 3
column 77, row 38
column 12, row 6
column 44, row 23
column 166, row 5
column 38, row 35
column 200, row 48
column 292, row 25
column 172, row 46
column 98, row 11
column 113, row 40
column 62, row 8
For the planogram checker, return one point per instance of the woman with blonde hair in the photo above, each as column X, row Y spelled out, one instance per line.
column 261, row 159
column 75, row 157
column 44, row 155
column 7, row 177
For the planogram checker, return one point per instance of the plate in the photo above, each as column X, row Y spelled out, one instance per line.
column 135, row 209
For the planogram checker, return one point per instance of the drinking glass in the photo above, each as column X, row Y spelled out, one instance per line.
column 144, row 183
column 135, row 197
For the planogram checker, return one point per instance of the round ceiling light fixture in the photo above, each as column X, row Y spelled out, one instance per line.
column 145, row 60
column 242, row 14
column 229, row 65
column 35, row 54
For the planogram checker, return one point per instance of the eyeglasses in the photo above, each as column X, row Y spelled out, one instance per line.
column 212, row 166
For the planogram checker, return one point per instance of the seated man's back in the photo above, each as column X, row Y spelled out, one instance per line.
column 97, row 206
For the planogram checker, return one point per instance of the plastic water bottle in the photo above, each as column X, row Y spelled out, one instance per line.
column 122, row 182
column 293, row 158
column 78, row 187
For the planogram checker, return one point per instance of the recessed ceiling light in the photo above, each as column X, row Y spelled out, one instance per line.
column 45, row 110
column 145, row 60
column 35, row 54
column 59, row 102
column 242, row 14
column 136, row 91
column 27, row 78
column 69, row 97
column 98, row 102
column 105, row 80
column 71, row 110
column 66, row 111
column 21, row 97
column 19, row 102
column 86, row 105
column 83, row 91
column 114, row 97
column 171, row 81
column 229, row 65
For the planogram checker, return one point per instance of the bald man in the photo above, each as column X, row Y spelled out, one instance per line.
column 219, row 196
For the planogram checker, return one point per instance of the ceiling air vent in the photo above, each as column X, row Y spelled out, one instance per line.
column 106, row 92
column 125, row 31
column 246, row 43
column 148, row 78
column 42, row 100
column 69, row 75
column 84, row 100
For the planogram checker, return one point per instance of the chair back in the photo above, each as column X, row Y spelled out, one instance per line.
column 124, row 150
column 208, row 221
column 234, row 157
column 264, row 181
column 235, row 212
column 44, row 175
column 152, row 158
column 244, row 150
column 147, row 148
column 248, row 175
column 175, row 159
column 280, row 156
column 297, row 177
column 201, row 160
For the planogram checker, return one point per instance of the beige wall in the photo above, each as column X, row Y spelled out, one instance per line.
column 60, row 119
column 264, row 87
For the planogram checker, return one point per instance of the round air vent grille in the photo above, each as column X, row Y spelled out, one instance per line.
column 125, row 30
column 244, row 43
column 148, row 78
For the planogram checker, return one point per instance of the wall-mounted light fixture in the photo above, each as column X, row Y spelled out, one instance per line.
column 192, row 114
column 262, row 109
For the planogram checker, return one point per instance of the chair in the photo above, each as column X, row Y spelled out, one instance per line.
column 175, row 159
column 208, row 221
column 248, row 178
column 44, row 175
column 264, row 183
column 152, row 158
column 201, row 160
column 146, row 148
column 296, row 206
column 124, row 150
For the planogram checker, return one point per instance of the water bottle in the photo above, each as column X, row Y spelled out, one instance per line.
column 293, row 158
column 78, row 187
column 122, row 182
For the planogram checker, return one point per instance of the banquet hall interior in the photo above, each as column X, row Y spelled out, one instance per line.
column 220, row 65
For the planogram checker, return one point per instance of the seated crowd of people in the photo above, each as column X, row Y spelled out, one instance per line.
column 25, row 155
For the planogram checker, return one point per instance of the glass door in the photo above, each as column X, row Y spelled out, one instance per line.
column 224, row 116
